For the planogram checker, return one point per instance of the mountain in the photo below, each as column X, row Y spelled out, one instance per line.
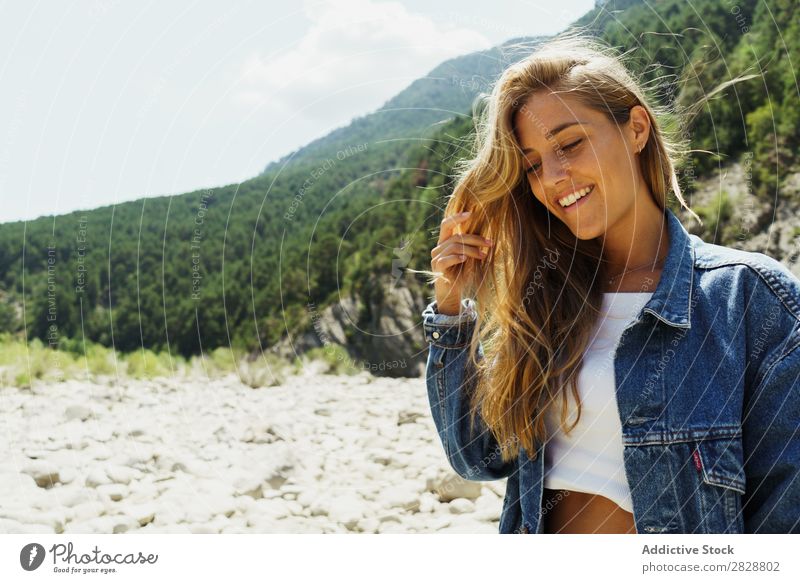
column 449, row 90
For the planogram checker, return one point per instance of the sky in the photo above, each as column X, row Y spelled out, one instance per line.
column 104, row 102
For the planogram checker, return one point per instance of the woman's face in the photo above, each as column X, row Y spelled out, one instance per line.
column 568, row 147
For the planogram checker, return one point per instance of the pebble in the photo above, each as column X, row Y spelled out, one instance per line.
column 318, row 454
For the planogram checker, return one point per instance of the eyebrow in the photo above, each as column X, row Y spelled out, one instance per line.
column 559, row 128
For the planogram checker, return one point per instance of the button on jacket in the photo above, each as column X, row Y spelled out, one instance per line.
column 708, row 393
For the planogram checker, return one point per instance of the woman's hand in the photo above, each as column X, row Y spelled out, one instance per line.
column 449, row 257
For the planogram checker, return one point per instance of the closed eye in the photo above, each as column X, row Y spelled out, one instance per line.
column 532, row 168
column 568, row 147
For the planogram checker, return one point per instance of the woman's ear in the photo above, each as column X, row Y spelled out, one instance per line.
column 638, row 127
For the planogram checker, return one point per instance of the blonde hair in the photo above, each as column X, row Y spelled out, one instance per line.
column 535, row 333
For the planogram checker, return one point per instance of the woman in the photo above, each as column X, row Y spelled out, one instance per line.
column 625, row 376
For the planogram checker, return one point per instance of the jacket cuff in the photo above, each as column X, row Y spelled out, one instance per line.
column 449, row 331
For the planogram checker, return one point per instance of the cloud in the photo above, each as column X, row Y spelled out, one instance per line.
column 355, row 55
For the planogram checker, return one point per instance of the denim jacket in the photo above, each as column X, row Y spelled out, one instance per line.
column 708, row 393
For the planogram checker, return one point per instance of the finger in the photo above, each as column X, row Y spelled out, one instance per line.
column 447, row 261
column 449, row 225
column 454, row 247
column 467, row 238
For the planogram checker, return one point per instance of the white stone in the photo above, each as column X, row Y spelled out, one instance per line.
column 461, row 506
column 43, row 472
column 450, row 486
column 347, row 510
column 77, row 412
column 96, row 477
column 85, row 511
column 114, row 492
column 121, row 474
column 368, row 525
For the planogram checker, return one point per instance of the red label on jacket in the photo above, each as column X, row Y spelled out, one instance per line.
column 696, row 456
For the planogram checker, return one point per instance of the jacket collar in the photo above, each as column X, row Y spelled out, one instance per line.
column 671, row 301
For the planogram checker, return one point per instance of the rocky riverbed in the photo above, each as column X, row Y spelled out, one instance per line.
column 318, row 454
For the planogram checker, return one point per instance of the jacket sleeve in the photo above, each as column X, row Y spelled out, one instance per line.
column 771, row 440
column 450, row 377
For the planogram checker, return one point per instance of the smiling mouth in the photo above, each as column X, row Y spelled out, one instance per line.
column 570, row 200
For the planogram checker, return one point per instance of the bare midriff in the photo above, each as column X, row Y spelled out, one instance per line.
column 569, row 512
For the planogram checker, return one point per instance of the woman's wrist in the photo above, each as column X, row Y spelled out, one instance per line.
column 464, row 310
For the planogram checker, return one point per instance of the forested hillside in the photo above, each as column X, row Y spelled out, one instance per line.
column 241, row 265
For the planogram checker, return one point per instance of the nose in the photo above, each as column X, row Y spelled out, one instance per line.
column 555, row 173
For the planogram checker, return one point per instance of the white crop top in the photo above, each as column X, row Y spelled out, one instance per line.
column 589, row 459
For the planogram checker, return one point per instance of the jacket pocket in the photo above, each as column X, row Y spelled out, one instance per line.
column 719, row 462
